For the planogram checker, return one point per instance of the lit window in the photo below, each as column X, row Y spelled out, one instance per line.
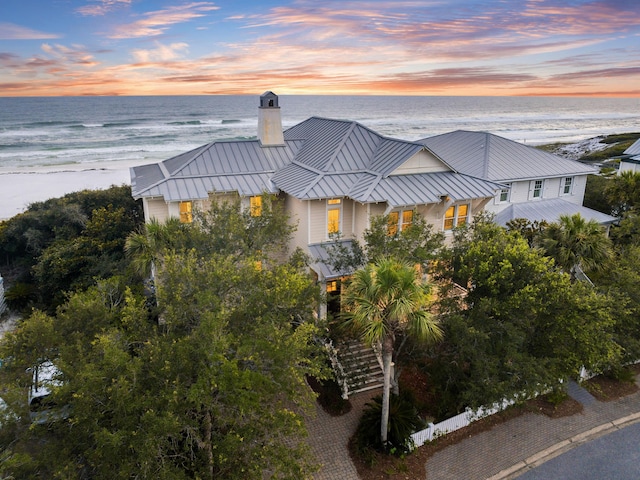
column 392, row 224
column 504, row 193
column 186, row 215
column 449, row 217
column 255, row 204
column 333, row 215
column 567, row 185
column 332, row 286
column 455, row 216
column 407, row 219
column 537, row 188
column 463, row 212
column 402, row 219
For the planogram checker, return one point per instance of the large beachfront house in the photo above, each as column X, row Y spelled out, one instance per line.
column 630, row 161
column 334, row 175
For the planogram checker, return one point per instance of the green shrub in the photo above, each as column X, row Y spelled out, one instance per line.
column 20, row 295
column 403, row 421
column 622, row 374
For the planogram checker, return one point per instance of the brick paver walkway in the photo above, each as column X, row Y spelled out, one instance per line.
column 328, row 437
column 490, row 453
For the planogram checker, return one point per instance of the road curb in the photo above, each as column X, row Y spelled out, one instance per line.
column 564, row 446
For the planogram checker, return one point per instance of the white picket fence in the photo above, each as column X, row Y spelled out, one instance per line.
column 452, row 424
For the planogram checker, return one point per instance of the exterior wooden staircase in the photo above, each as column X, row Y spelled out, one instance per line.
column 357, row 367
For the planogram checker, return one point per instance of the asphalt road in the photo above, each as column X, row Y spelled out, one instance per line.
column 615, row 456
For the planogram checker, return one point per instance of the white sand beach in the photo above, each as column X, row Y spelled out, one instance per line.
column 20, row 187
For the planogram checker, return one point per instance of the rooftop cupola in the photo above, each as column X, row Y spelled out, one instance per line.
column 269, row 121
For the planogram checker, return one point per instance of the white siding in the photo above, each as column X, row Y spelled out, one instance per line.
column 317, row 221
column 298, row 214
column 628, row 167
column 361, row 220
column 421, row 162
column 155, row 208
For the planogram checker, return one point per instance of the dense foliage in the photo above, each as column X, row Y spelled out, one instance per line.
column 522, row 325
column 65, row 244
column 210, row 383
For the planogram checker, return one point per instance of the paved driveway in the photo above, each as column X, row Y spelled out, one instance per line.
column 613, row 456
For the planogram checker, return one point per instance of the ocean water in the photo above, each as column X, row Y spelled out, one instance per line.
column 58, row 131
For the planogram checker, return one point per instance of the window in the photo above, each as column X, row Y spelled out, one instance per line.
column 334, row 207
column 463, row 212
column 537, row 189
column 407, row 219
column 255, row 206
column 186, row 215
column 332, row 286
column 403, row 220
column 392, row 227
column 504, row 194
column 455, row 216
column 567, row 186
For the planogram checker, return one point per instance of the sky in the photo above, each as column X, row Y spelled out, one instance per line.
column 363, row 47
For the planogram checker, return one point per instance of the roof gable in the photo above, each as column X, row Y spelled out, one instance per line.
column 422, row 161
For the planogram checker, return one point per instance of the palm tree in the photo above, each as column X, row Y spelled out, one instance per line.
column 576, row 243
column 383, row 300
column 145, row 246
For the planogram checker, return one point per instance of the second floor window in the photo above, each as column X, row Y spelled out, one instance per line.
column 334, row 208
column 455, row 216
column 537, row 187
column 504, row 194
column 567, row 186
column 399, row 221
column 255, row 206
column 186, row 212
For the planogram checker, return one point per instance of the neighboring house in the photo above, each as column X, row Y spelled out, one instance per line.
column 630, row 160
column 538, row 186
column 333, row 176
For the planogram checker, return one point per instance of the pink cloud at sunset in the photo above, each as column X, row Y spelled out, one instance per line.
column 126, row 47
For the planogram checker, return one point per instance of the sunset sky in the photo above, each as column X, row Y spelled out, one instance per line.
column 403, row 47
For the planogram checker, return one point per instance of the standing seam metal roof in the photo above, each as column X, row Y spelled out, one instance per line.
column 491, row 157
column 321, row 158
column 634, row 149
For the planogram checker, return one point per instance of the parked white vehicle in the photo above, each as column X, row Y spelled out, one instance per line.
column 42, row 409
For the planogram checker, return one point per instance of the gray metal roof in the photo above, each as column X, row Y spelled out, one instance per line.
column 425, row 188
column 634, row 149
column 321, row 158
column 320, row 256
column 242, row 166
column 550, row 211
column 491, row 157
